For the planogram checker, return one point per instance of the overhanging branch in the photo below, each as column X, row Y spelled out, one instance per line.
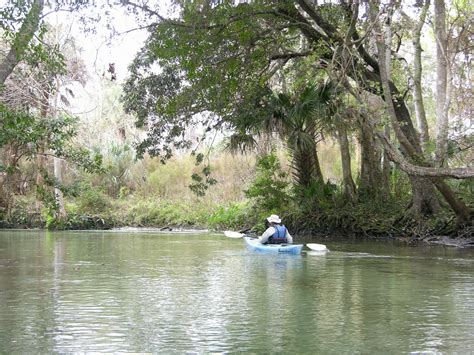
column 416, row 170
column 290, row 55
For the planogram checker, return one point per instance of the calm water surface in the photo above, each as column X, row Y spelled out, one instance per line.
column 176, row 293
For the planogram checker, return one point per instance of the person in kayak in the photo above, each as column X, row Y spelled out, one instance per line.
column 276, row 233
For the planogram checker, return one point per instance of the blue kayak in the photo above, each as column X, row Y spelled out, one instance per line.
column 254, row 245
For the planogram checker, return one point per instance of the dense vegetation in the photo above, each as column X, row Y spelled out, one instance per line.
column 343, row 118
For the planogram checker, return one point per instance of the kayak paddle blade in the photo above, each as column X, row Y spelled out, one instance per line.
column 231, row 234
column 317, row 247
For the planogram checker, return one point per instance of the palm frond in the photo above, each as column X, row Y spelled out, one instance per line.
column 301, row 141
column 240, row 142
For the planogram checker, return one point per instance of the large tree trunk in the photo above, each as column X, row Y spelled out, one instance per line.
column 370, row 72
column 442, row 102
column 370, row 186
column 458, row 206
column 318, row 173
column 306, row 167
column 422, row 171
column 407, row 136
column 22, row 39
column 417, row 89
column 423, row 192
column 424, row 200
column 386, row 168
column 349, row 185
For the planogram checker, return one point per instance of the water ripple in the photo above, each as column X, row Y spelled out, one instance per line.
column 116, row 293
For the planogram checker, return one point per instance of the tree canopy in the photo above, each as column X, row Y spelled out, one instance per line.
column 215, row 62
column 387, row 84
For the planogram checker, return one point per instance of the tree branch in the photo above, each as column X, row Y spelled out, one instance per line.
column 290, row 55
column 403, row 164
column 22, row 39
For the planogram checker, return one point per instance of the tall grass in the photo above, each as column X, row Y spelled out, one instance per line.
column 154, row 194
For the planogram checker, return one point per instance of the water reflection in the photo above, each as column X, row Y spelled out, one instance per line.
column 132, row 292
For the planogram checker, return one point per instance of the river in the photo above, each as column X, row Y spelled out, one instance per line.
column 63, row 292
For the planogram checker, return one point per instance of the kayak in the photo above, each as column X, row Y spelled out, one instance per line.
column 254, row 245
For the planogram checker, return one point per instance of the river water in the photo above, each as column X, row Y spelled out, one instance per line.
column 66, row 292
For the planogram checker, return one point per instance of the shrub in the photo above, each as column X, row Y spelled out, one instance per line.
column 269, row 190
column 236, row 216
column 93, row 201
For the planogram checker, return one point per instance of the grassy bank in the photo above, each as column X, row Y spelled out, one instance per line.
column 98, row 211
column 101, row 212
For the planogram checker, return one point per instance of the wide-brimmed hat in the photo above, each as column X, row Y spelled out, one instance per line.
column 274, row 219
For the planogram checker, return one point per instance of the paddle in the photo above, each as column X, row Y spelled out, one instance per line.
column 231, row 234
column 312, row 246
column 317, row 247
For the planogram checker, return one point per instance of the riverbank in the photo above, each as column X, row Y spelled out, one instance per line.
column 341, row 226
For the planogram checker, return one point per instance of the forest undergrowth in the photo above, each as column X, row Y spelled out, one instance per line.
column 152, row 195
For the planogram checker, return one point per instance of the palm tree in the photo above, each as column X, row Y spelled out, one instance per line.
column 297, row 119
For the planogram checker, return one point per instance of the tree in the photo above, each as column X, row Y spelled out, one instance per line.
column 23, row 26
column 296, row 119
column 23, row 133
column 39, row 88
column 22, row 38
column 442, row 99
column 45, row 88
column 350, row 189
column 417, row 87
column 217, row 57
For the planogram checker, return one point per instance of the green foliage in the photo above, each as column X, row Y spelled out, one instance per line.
column 47, row 197
column 27, row 132
column 317, row 195
column 221, row 65
column 465, row 189
column 23, row 213
column 235, row 216
column 364, row 219
column 124, row 192
column 52, row 222
column 20, row 128
column 400, row 186
column 202, row 182
column 153, row 212
column 92, row 201
column 25, row 32
column 204, row 70
column 86, row 221
column 118, row 160
column 48, row 56
column 269, row 190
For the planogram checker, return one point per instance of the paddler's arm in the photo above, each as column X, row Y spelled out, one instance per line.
column 288, row 237
column 267, row 234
